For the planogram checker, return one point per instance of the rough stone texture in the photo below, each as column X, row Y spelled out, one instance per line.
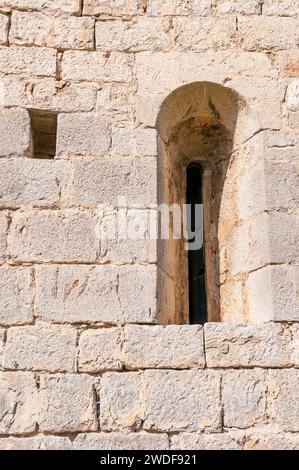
column 110, row 7
column 28, row 182
column 28, row 61
column 177, row 347
column 119, row 441
column 82, row 134
column 260, row 441
column 244, row 398
column 4, row 25
column 121, row 404
column 53, row 236
column 2, row 339
column 67, row 6
column 283, row 402
column 40, row 347
column 4, row 225
column 19, row 405
column 16, row 302
column 292, row 97
column 100, row 350
column 60, row 32
column 68, row 403
column 195, row 441
column 78, row 294
column 15, row 132
column 39, row 442
column 276, row 7
column 169, row 408
column 249, row 7
column 231, row 345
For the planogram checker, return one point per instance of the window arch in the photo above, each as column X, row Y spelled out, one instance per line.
column 206, row 126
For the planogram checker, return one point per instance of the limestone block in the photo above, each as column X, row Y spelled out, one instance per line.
column 16, row 301
column 273, row 294
column 138, row 293
column 67, row 6
column 295, row 332
column 110, row 7
column 120, row 441
column 201, row 7
column 144, row 34
column 292, row 96
column 99, row 181
column 121, row 401
column 4, row 27
column 182, row 401
column 82, row 134
column 265, row 441
column 199, row 34
column 123, row 140
column 172, row 346
column 269, row 33
column 97, row 66
column 293, row 121
column 244, row 398
column 281, row 181
column 28, row 61
column 168, row 8
column 231, row 345
column 61, row 32
column 78, row 294
column 4, row 225
column 40, row 442
column 146, row 142
column 196, row 441
column 68, row 403
column 2, row 338
column 251, row 7
column 15, row 132
column 143, row 190
column 279, row 8
column 41, row 347
column 288, row 62
column 100, row 350
column 53, row 236
column 19, row 403
column 46, row 93
column 283, row 404
column 29, row 182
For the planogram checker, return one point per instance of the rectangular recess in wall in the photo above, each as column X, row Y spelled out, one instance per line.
column 43, row 132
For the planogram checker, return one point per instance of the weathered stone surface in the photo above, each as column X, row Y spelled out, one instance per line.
column 29, row 182
column 263, row 32
column 143, row 188
column 278, row 8
column 110, row 7
column 53, row 236
column 19, row 400
column 4, row 26
column 146, row 143
column 283, row 404
column 4, row 225
column 244, row 398
column 29, row 61
column 292, row 96
column 82, row 134
column 68, row 403
column 195, row 441
column 169, row 408
column 288, row 62
column 41, row 347
column 119, row 441
column 2, row 338
column 231, row 345
column 16, row 301
column 47, row 93
column 67, row 6
column 169, row 7
column 15, row 132
column 97, row 66
column 265, row 441
column 39, row 442
column 247, row 7
column 78, row 294
column 138, row 293
column 42, row 30
column 200, row 7
column 100, row 350
column 274, row 294
column 295, row 333
column 121, row 404
column 177, row 347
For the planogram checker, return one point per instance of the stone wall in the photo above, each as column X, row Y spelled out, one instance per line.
column 83, row 362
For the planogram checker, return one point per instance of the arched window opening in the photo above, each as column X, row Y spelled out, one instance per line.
column 196, row 252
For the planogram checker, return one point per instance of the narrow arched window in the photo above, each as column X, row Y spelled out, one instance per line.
column 196, row 251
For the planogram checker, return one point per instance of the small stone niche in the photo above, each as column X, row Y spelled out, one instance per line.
column 44, row 133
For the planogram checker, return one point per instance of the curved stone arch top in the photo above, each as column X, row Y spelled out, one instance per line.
column 249, row 277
